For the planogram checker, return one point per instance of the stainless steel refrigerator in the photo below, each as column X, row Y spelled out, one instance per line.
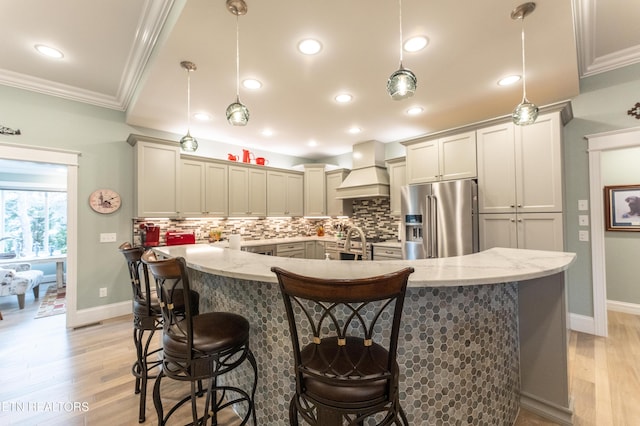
column 439, row 219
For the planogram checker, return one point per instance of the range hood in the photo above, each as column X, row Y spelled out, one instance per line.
column 368, row 177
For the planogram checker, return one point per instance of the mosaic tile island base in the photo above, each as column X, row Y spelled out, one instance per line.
column 469, row 352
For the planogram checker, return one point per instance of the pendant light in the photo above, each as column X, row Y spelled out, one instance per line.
column 526, row 112
column 402, row 83
column 188, row 143
column 237, row 113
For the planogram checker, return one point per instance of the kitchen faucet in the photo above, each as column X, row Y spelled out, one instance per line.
column 363, row 240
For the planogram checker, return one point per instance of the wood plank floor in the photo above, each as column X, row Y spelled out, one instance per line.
column 45, row 369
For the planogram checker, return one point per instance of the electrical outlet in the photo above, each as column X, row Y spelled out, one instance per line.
column 108, row 237
column 583, row 220
column 103, row 292
column 583, row 235
column 583, row 204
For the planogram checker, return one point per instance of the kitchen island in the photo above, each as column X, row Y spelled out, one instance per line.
column 482, row 334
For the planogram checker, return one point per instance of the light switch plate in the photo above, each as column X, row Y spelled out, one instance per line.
column 583, row 204
column 583, row 235
column 583, row 220
column 108, row 237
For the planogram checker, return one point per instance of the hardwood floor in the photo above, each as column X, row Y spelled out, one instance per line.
column 54, row 376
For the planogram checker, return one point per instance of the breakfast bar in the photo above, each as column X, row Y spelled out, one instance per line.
column 482, row 334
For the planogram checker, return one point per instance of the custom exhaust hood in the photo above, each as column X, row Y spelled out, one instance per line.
column 368, row 176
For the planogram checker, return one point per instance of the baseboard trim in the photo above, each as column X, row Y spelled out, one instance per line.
column 582, row 323
column 100, row 313
column 627, row 308
column 553, row 412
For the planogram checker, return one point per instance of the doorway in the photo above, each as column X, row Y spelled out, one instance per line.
column 597, row 144
column 69, row 160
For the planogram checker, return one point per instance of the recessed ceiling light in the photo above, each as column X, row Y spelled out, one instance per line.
column 415, row 44
column 309, row 46
column 251, row 83
column 506, row 81
column 267, row 132
column 48, row 51
column 343, row 98
column 354, row 130
column 415, row 110
column 202, row 116
column 312, row 143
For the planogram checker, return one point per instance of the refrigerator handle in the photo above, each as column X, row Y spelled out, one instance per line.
column 434, row 226
column 427, row 229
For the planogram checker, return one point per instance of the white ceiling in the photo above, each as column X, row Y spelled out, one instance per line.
column 126, row 55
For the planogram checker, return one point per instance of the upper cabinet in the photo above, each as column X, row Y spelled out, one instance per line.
column 397, row 169
column 314, row 190
column 446, row 158
column 247, row 191
column 157, row 177
column 204, row 189
column 520, row 167
column 284, row 193
column 336, row 206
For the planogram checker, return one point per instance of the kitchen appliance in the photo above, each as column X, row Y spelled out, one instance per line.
column 175, row 238
column 150, row 235
column 439, row 219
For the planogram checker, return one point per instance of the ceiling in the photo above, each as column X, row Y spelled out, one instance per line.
column 126, row 55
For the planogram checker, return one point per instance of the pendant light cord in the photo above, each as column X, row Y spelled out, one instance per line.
column 237, row 58
column 400, row 19
column 524, row 77
column 188, row 101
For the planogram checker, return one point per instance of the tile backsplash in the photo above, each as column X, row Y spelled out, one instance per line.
column 370, row 214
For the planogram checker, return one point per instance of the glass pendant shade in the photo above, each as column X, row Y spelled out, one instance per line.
column 237, row 114
column 402, row 84
column 188, row 143
column 525, row 113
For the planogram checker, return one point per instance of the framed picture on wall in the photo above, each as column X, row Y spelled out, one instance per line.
column 622, row 207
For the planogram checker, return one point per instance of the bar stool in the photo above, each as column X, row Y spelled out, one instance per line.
column 198, row 347
column 345, row 338
column 147, row 319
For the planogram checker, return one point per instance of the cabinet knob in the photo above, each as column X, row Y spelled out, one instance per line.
column 512, row 205
column 519, row 205
column 512, row 220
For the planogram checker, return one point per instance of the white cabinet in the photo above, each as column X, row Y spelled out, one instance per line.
column 284, row 193
column 520, row 167
column 383, row 252
column 535, row 231
column 314, row 190
column 247, row 191
column 157, row 178
column 447, row 158
column 397, row 169
column 294, row 250
column 336, row 206
column 314, row 249
column 203, row 189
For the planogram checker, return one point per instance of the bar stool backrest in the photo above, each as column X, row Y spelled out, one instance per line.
column 139, row 274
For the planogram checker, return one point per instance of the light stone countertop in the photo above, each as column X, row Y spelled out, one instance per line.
column 492, row 266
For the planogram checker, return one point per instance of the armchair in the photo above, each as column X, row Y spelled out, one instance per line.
column 18, row 278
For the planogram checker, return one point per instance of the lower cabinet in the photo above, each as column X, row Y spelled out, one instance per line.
column 536, row 231
column 387, row 253
column 314, row 249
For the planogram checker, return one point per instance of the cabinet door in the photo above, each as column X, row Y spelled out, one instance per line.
column 498, row 230
column 257, row 192
column 538, row 165
column 314, row 191
column 397, row 179
column 192, row 188
column 295, row 194
column 238, row 191
column 336, row 206
column 496, row 169
column 422, row 162
column 216, row 189
column 157, row 179
column 540, row 231
column 277, row 194
column 458, row 156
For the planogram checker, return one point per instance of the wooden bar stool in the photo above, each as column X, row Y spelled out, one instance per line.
column 147, row 319
column 345, row 358
column 199, row 347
